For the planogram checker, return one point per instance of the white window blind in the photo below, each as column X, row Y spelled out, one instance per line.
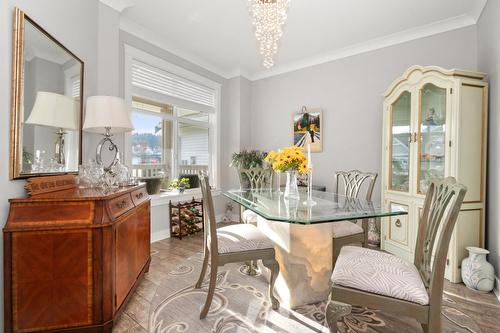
column 153, row 79
column 75, row 88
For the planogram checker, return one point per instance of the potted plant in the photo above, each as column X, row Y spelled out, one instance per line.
column 179, row 184
column 153, row 183
column 247, row 159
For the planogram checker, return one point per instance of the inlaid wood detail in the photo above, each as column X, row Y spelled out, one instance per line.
column 42, row 185
column 52, row 274
column 51, row 213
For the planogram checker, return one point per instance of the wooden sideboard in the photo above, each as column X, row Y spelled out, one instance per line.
column 73, row 257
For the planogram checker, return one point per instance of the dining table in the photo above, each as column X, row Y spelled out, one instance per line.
column 302, row 232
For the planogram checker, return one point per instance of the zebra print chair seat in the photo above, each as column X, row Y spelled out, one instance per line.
column 247, row 216
column 242, row 237
column 379, row 273
column 346, row 228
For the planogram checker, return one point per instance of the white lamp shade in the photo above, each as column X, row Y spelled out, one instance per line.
column 107, row 112
column 54, row 110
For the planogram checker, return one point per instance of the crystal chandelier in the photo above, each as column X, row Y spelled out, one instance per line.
column 268, row 17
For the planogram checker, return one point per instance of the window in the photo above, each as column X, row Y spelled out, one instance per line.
column 174, row 114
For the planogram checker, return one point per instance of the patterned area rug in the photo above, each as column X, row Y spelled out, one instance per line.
column 241, row 304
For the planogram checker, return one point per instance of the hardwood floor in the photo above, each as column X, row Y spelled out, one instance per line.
column 165, row 256
column 169, row 253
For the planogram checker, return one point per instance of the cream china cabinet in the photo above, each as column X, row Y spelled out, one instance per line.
column 435, row 125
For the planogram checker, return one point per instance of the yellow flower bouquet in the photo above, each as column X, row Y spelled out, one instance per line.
column 288, row 159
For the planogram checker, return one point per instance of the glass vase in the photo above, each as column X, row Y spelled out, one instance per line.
column 291, row 189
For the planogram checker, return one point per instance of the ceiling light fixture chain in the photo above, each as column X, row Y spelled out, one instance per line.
column 268, row 17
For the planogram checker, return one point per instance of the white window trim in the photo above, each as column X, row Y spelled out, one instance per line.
column 163, row 198
column 132, row 53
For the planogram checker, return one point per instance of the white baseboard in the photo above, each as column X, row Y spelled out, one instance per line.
column 496, row 290
column 165, row 233
column 159, row 235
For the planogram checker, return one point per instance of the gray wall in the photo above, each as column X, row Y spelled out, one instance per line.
column 489, row 62
column 236, row 126
column 350, row 93
column 74, row 24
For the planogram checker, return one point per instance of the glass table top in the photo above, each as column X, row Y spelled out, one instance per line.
column 328, row 207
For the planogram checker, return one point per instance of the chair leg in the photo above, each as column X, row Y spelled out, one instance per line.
column 434, row 325
column 203, row 270
column 250, row 268
column 335, row 311
column 336, row 246
column 274, row 267
column 211, row 289
column 364, row 224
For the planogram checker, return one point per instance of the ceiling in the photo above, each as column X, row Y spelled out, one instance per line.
column 218, row 34
column 38, row 45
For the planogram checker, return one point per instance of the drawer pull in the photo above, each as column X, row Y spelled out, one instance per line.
column 139, row 195
column 398, row 223
column 121, row 205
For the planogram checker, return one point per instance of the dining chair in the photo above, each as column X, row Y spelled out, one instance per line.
column 255, row 179
column 232, row 244
column 350, row 184
column 383, row 281
column 259, row 179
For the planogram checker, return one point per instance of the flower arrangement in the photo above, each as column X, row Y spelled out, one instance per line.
column 288, row 159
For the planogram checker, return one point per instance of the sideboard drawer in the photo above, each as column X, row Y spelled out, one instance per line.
column 120, row 205
column 139, row 196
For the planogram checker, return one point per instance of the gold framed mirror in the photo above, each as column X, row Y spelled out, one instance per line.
column 47, row 103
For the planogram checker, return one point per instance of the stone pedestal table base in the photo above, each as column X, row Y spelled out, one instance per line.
column 304, row 253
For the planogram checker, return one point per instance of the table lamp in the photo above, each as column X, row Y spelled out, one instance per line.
column 55, row 110
column 107, row 115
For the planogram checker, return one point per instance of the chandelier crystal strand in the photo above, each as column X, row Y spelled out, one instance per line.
column 268, row 17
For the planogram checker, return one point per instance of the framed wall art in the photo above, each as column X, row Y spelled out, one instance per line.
column 307, row 129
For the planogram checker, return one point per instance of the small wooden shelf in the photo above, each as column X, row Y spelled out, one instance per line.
column 186, row 218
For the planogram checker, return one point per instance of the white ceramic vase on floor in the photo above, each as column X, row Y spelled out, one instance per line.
column 477, row 273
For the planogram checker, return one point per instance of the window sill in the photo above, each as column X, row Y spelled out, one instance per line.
column 164, row 198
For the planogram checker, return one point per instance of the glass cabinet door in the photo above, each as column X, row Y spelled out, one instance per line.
column 400, row 127
column 432, row 133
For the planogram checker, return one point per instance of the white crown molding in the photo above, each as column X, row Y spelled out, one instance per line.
column 478, row 9
column 374, row 44
column 140, row 31
column 118, row 5
column 239, row 73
